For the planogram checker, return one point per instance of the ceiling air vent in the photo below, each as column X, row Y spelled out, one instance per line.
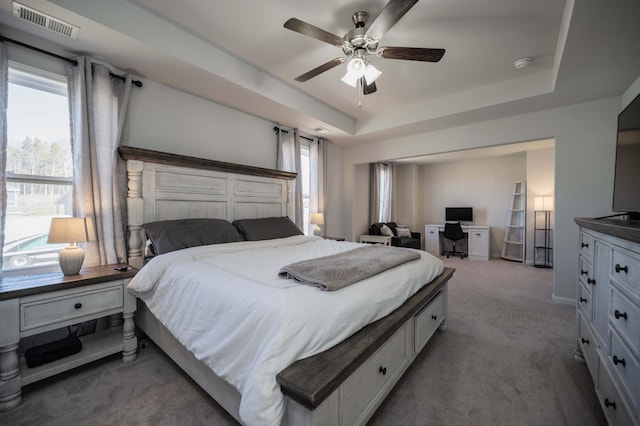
column 44, row 21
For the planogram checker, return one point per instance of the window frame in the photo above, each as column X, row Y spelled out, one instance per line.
column 50, row 82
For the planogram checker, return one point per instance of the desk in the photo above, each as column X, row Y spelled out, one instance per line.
column 477, row 240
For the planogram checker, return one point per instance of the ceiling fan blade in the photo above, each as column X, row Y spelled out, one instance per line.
column 411, row 53
column 368, row 89
column 319, row 70
column 301, row 27
column 390, row 14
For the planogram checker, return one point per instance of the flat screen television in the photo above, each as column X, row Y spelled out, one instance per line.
column 458, row 214
column 626, row 186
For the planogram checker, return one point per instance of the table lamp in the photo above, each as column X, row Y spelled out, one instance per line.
column 317, row 219
column 71, row 230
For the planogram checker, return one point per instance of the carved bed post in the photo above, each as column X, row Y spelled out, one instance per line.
column 134, row 206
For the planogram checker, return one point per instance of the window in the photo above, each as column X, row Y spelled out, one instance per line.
column 39, row 165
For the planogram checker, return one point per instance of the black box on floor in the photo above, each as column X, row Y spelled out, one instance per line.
column 52, row 351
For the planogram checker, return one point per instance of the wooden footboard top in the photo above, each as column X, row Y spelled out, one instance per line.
column 311, row 380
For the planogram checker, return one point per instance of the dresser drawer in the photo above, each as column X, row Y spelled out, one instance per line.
column 624, row 268
column 588, row 345
column 62, row 307
column 586, row 245
column 361, row 389
column 584, row 301
column 626, row 367
column 427, row 321
column 585, row 273
column 614, row 406
column 625, row 317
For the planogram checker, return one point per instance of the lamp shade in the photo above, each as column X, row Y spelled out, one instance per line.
column 71, row 230
column 543, row 203
column 317, row 219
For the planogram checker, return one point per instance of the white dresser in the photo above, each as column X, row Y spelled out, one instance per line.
column 477, row 240
column 608, row 314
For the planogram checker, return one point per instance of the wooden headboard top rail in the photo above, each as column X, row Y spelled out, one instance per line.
column 150, row 156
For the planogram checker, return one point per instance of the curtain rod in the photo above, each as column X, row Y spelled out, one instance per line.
column 136, row 83
column 277, row 128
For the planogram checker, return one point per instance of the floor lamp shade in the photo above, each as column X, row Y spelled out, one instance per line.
column 71, row 230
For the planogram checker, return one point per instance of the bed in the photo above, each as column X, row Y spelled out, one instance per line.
column 310, row 356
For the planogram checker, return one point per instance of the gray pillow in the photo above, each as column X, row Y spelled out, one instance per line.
column 266, row 228
column 171, row 235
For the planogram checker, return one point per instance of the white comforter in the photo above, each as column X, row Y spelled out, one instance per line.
column 226, row 304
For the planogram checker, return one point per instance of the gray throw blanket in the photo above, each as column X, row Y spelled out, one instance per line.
column 340, row 270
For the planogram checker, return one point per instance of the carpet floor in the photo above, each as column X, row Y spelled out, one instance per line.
column 505, row 359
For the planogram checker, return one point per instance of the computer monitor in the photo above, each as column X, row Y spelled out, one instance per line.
column 458, row 214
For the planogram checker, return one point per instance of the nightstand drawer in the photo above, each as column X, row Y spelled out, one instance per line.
column 59, row 308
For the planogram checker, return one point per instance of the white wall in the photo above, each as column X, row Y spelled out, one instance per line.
column 540, row 182
column 164, row 119
column 585, row 137
column 485, row 184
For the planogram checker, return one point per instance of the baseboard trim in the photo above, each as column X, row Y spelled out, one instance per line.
column 563, row 300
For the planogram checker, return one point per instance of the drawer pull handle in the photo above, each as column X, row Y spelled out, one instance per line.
column 585, row 341
column 608, row 403
column 78, row 305
column 583, row 245
column 624, row 269
column 434, row 317
column 583, row 300
column 617, row 361
column 478, row 234
column 619, row 314
column 382, row 370
column 583, row 272
column 590, row 281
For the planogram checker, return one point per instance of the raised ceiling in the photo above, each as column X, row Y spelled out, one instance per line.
column 237, row 53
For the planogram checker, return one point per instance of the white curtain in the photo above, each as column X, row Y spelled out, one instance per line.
column 289, row 161
column 318, row 178
column 381, row 179
column 4, row 88
column 98, row 107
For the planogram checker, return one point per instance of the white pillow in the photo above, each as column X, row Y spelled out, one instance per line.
column 385, row 230
column 403, row 232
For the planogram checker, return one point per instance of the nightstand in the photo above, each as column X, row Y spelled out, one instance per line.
column 35, row 304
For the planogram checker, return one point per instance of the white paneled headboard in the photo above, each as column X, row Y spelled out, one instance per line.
column 163, row 186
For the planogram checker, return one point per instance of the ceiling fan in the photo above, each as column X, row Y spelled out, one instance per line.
column 362, row 41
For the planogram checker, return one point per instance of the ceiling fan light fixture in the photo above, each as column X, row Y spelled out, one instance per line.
column 357, row 68
column 371, row 73
column 350, row 79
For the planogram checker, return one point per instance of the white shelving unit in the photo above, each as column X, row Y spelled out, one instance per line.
column 515, row 231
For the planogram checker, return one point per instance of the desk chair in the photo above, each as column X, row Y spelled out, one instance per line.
column 453, row 232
